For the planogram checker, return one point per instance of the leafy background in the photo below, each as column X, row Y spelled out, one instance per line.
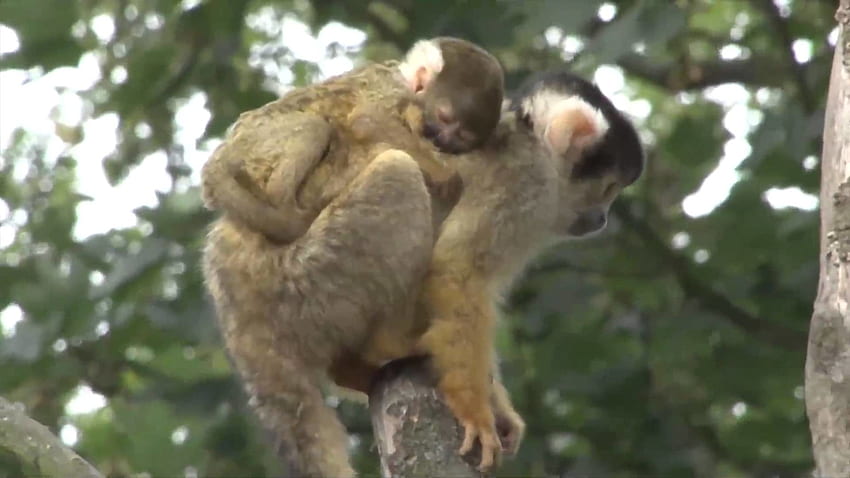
column 670, row 346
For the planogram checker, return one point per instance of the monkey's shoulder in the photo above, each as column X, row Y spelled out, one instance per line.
column 511, row 145
column 380, row 84
column 335, row 96
column 513, row 166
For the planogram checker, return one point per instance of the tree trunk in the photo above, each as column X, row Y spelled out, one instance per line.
column 828, row 359
column 417, row 435
column 33, row 444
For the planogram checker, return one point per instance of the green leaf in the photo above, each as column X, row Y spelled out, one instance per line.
column 569, row 15
column 25, row 345
column 187, row 364
column 151, row 430
column 652, row 23
column 694, row 145
column 44, row 32
column 129, row 268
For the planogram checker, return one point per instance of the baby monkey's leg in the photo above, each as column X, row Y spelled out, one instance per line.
column 372, row 244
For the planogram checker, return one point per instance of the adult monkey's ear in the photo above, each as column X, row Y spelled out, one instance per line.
column 421, row 65
column 571, row 123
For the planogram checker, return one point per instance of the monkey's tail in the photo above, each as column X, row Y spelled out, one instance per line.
column 239, row 204
column 258, row 215
column 310, row 439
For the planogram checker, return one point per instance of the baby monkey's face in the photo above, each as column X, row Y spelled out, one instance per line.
column 460, row 87
column 459, row 119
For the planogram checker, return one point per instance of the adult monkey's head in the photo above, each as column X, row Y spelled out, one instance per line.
column 590, row 136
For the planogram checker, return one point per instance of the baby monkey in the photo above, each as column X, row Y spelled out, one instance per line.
column 284, row 162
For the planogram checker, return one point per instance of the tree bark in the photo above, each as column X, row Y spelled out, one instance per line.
column 417, row 435
column 828, row 358
column 33, row 444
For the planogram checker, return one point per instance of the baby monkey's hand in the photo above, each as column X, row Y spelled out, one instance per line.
column 449, row 189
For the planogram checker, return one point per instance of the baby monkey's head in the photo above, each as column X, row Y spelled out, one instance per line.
column 597, row 146
column 461, row 87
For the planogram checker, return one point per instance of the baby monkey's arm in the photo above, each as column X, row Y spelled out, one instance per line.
column 373, row 124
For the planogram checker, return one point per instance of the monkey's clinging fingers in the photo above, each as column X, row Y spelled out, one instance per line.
column 469, row 436
column 490, row 445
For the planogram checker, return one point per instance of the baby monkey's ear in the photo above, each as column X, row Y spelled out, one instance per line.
column 422, row 64
column 573, row 123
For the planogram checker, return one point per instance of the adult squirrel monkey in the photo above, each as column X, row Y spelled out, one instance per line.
column 549, row 172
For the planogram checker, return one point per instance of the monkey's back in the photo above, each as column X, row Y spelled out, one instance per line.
column 236, row 255
column 380, row 86
column 338, row 95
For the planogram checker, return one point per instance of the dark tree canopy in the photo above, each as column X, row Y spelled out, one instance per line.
column 671, row 345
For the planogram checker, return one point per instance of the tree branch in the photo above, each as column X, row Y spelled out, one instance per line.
column 416, row 433
column 828, row 355
column 33, row 444
column 675, row 77
column 767, row 331
column 780, row 27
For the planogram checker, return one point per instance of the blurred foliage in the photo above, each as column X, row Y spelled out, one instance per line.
column 670, row 345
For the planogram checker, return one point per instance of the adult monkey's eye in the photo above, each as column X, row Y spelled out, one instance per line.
column 609, row 189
